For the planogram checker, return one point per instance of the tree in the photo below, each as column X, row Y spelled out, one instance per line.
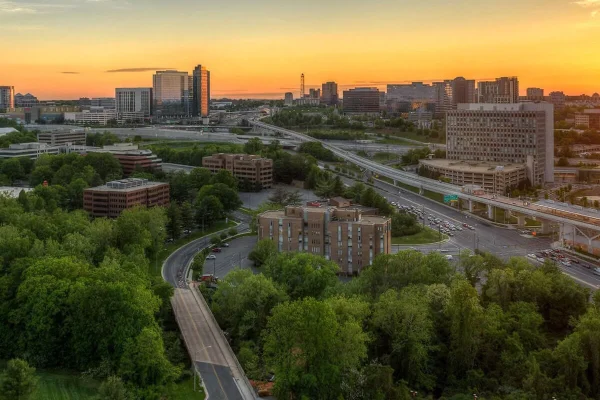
column 18, row 381
column 208, row 210
column 225, row 177
column 187, row 215
column 404, row 224
column 199, row 177
column 113, row 389
column 264, row 249
column 284, row 197
column 227, row 196
column 12, row 168
column 174, row 221
column 301, row 274
column 309, row 350
column 253, row 146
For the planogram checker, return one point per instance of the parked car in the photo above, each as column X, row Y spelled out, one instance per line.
column 449, row 257
column 596, row 271
column 209, row 278
column 211, row 257
column 225, row 244
column 216, row 250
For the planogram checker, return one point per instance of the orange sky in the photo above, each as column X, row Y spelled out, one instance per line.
column 260, row 48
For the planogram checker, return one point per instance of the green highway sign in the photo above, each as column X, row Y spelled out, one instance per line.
column 450, row 197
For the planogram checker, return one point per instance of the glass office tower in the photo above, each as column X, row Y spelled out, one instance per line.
column 171, row 94
column 201, row 92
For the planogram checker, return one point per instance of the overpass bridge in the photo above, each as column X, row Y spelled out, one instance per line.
column 572, row 220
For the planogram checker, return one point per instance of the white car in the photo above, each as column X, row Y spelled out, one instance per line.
column 393, row 203
column 211, row 257
column 596, row 271
column 449, row 257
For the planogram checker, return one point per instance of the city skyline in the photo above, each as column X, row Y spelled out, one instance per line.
column 260, row 49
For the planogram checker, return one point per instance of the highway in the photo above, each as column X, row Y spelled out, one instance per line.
column 222, row 376
column 578, row 218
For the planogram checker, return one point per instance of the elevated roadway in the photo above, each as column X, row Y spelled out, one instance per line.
column 574, row 217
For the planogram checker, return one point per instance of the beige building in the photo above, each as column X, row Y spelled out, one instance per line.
column 345, row 236
column 255, row 169
column 74, row 136
column 491, row 177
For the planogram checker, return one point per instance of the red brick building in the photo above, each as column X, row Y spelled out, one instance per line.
column 111, row 199
column 255, row 169
column 132, row 158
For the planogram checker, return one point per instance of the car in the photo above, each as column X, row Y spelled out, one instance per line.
column 450, row 234
column 225, row 244
column 211, row 257
column 393, row 203
column 466, row 225
column 566, row 263
column 216, row 250
column 458, row 228
column 574, row 260
column 596, row 271
column 532, row 256
column 471, row 228
column 449, row 257
column 444, row 250
column 540, row 259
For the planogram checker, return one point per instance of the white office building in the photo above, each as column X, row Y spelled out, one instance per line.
column 133, row 104
column 520, row 133
column 93, row 116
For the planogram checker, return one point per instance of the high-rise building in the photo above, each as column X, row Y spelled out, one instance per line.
column 535, row 94
column 201, row 92
column 133, row 104
column 521, row 133
column 25, row 100
column 7, row 98
column 558, row 99
column 413, row 92
column 463, row 91
column 289, row 99
column 329, row 93
column 502, row 90
column 342, row 235
column 361, row 100
column 314, row 93
column 443, row 97
column 171, row 93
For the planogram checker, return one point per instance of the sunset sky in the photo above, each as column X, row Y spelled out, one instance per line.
column 62, row 49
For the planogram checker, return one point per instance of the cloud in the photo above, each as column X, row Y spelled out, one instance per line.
column 70, row 72
column 139, row 69
column 9, row 7
column 588, row 3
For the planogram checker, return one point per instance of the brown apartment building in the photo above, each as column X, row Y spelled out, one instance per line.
column 110, row 199
column 345, row 236
column 243, row 166
column 131, row 157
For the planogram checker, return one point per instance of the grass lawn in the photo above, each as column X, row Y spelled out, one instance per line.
column 171, row 247
column 385, row 156
column 426, row 236
column 185, row 391
column 395, row 140
column 500, row 217
column 64, row 386
column 532, row 222
column 408, row 135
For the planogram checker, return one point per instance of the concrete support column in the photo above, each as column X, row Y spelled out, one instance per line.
column 490, row 210
column 545, row 228
column 395, row 182
column 521, row 221
column 421, row 191
column 470, row 206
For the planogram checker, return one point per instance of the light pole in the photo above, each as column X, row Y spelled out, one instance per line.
column 195, row 369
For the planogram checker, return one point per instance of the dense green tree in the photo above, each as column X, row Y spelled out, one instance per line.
column 404, row 224
column 243, row 302
column 208, row 210
column 174, row 221
column 18, row 381
column 264, row 249
column 284, row 197
column 227, row 196
column 187, row 215
column 301, row 274
column 309, row 350
column 113, row 389
column 253, row 146
column 13, row 169
column 199, row 177
column 225, row 177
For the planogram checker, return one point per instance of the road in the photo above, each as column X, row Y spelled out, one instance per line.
column 502, row 242
column 213, row 359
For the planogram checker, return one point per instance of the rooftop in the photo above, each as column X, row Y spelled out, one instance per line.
column 12, row 191
column 473, row 166
column 126, row 185
column 364, row 219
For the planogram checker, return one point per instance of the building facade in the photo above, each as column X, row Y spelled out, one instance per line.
column 133, row 104
column 171, row 91
column 491, row 177
column 29, row 150
column 7, row 98
column 105, row 102
column 329, row 93
column 131, row 157
column 361, row 100
column 443, row 96
column 503, row 90
column 111, row 199
column 535, row 94
column 344, row 236
column 73, row 136
column 201, row 92
column 314, row 93
column 521, row 133
column 463, row 91
column 588, row 119
column 288, row 99
column 558, row 99
column 93, row 116
column 413, row 92
column 253, row 168
column 25, row 100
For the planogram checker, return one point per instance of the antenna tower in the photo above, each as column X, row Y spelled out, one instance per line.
column 302, row 86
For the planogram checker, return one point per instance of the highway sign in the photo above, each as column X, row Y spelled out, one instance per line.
column 450, row 197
